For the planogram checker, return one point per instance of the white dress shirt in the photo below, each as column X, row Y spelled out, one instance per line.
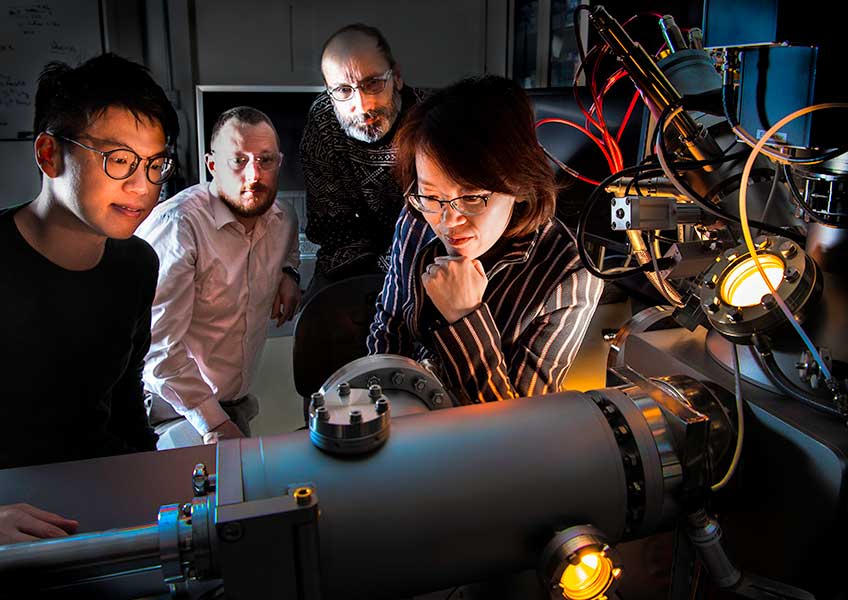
column 213, row 301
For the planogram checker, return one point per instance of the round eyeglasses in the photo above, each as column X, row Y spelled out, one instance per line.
column 121, row 163
column 468, row 205
column 371, row 86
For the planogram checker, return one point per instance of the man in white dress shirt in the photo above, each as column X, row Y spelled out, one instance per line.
column 228, row 262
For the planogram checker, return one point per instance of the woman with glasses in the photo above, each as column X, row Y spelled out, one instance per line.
column 484, row 280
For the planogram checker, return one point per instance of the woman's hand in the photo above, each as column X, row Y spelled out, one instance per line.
column 455, row 284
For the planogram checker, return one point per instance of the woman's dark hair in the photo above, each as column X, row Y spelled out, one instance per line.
column 481, row 132
column 69, row 99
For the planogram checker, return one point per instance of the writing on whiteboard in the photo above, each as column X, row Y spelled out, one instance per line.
column 31, row 19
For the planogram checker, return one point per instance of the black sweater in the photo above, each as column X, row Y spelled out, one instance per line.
column 72, row 347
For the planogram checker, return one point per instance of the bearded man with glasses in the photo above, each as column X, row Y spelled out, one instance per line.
column 352, row 198
column 229, row 257
column 77, row 286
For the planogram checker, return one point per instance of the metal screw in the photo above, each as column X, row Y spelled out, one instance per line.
column 735, row 316
column 713, row 308
column 199, row 479
column 397, row 378
column 768, row 301
column 438, row 398
column 627, row 225
column 612, row 225
column 317, row 399
column 374, row 380
column 322, row 414
column 791, row 274
column 382, row 405
column 374, row 391
column 613, row 201
column 186, row 509
column 619, row 214
column 609, row 334
column 231, row 532
column 788, row 249
column 355, row 417
column 627, row 201
column 344, row 388
column 419, row 385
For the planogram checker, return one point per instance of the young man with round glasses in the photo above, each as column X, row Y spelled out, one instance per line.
column 229, row 258
column 77, row 286
column 484, row 281
column 352, row 198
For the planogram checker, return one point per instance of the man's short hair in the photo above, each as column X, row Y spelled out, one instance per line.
column 243, row 114
column 69, row 99
column 369, row 31
column 481, row 132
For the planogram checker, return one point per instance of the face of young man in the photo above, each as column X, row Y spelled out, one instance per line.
column 364, row 117
column 106, row 206
column 245, row 163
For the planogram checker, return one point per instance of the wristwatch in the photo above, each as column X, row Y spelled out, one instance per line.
column 292, row 272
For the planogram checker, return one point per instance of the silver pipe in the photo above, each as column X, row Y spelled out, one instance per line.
column 86, row 550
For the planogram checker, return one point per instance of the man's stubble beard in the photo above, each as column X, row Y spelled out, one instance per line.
column 386, row 117
column 254, row 210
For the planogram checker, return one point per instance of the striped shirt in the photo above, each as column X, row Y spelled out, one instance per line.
column 523, row 337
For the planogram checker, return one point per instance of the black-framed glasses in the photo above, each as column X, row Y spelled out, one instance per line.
column 468, row 205
column 371, row 86
column 121, row 163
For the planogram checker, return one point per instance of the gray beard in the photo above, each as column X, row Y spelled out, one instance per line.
column 385, row 118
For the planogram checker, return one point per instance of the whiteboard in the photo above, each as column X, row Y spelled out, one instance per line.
column 33, row 33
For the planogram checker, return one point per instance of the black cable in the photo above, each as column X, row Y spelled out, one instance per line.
column 584, row 218
column 659, row 143
column 727, row 87
column 798, row 198
column 766, row 360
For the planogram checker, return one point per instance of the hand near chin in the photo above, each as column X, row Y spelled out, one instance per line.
column 455, row 284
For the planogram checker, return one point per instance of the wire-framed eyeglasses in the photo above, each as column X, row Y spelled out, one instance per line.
column 468, row 205
column 121, row 163
column 371, row 86
column 263, row 162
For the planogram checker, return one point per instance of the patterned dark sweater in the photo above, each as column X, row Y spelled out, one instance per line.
column 352, row 198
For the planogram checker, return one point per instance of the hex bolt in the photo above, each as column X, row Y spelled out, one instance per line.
column 735, row 316
column 438, row 398
column 231, row 532
column 322, row 414
column 788, row 249
column 374, row 380
column 382, row 405
column 397, row 378
column 344, row 388
column 374, row 391
column 355, row 417
column 713, row 308
column 317, row 399
column 768, row 301
column 199, row 479
column 419, row 385
column 791, row 274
